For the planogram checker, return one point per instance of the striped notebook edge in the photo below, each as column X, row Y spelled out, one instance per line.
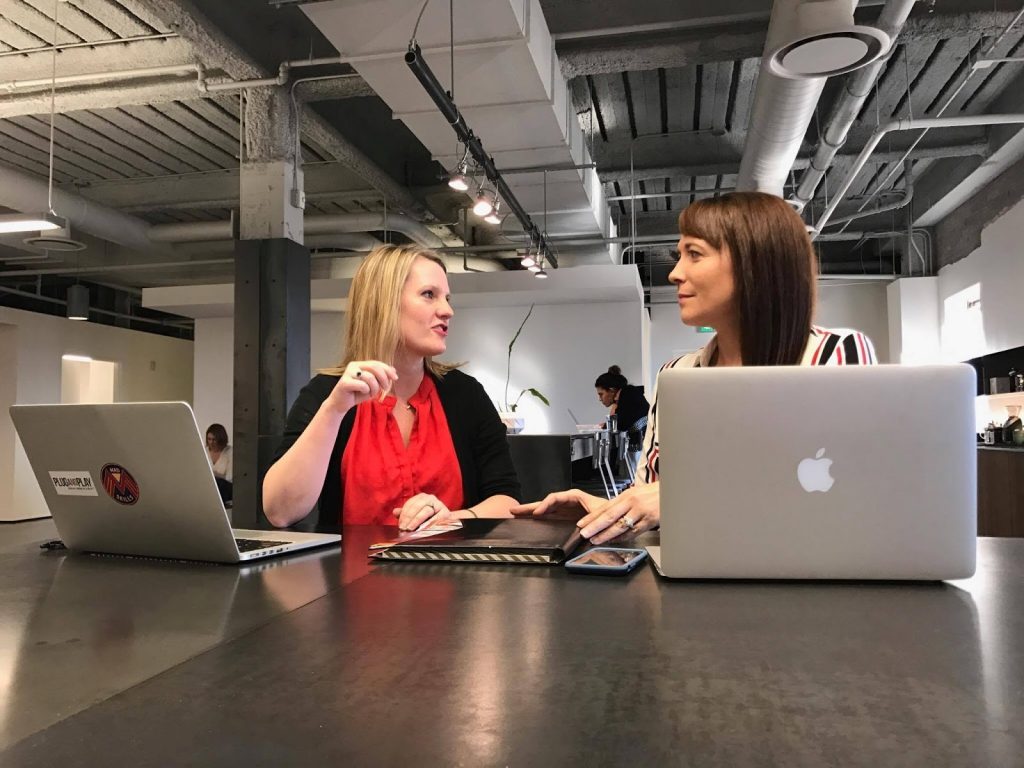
column 449, row 556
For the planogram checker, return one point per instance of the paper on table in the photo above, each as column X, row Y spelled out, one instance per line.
column 414, row 535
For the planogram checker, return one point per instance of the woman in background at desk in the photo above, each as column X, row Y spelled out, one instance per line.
column 626, row 402
column 220, row 459
column 390, row 435
column 747, row 269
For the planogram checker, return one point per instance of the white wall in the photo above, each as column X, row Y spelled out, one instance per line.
column 669, row 337
column 88, row 381
column 993, row 273
column 560, row 352
column 840, row 305
column 213, row 372
column 214, row 362
column 862, row 306
column 8, row 397
column 914, row 320
column 150, row 367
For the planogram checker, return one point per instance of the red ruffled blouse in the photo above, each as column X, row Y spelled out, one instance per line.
column 379, row 473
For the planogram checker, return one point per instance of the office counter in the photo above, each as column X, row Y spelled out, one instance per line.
column 327, row 660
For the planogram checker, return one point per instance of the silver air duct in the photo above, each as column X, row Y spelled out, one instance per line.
column 808, row 40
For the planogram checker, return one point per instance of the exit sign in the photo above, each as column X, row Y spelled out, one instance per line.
column 705, row 329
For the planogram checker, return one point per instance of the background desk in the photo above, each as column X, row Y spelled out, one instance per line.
column 545, row 463
column 327, row 660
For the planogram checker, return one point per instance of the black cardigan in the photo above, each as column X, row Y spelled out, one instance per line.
column 477, row 433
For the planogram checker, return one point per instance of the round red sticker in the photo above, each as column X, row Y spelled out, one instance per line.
column 119, row 484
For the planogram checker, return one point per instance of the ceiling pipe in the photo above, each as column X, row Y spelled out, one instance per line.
column 360, row 242
column 846, row 108
column 331, row 224
column 892, row 126
column 903, row 202
column 459, row 250
column 328, row 224
column 193, row 231
column 807, row 41
column 24, row 192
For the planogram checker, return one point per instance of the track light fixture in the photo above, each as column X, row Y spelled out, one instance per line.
column 458, row 179
column 485, row 163
column 494, row 217
column 484, row 202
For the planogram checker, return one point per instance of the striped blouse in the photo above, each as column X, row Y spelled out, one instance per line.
column 839, row 346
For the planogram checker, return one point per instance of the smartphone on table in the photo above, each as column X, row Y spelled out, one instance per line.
column 608, row 561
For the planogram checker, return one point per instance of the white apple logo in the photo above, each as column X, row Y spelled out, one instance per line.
column 813, row 473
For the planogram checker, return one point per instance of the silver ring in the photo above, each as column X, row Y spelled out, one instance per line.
column 627, row 521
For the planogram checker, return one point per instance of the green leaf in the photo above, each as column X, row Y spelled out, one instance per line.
column 539, row 396
column 508, row 369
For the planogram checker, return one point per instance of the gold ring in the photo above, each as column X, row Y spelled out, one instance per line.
column 627, row 521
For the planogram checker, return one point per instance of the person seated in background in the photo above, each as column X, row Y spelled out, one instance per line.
column 746, row 267
column 391, row 436
column 220, row 459
column 626, row 402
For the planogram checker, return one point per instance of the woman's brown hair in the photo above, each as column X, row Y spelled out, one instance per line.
column 774, row 267
column 374, row 305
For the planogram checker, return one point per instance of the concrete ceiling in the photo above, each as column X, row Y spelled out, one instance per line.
column 661, row 89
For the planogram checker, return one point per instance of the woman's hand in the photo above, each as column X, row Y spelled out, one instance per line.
column 572, row 504
column 632, row 512
column 421, row 509
column 361, row 380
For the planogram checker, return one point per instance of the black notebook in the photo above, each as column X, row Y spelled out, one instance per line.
column 524, row 541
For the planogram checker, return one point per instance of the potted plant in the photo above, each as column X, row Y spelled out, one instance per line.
column 513, row 421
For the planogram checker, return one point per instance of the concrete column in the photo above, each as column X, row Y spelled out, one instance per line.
column 271, row 295
column 271, row 360
column 271, row 187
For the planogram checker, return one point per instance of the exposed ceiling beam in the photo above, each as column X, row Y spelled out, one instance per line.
column 215, row 49
column 685, row 47
column 80, row 61
column 141, row 93
column 651, row 163
column 216, row 189
column 659, row 50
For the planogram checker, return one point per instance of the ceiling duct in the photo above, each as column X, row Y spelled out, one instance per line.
column 508, row 86
column 847, row 106
column 807, row 41
column 821, row 40
column 56, row 240
column 25, row 192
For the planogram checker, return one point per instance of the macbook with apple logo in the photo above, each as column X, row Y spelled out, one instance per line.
column 859, row 472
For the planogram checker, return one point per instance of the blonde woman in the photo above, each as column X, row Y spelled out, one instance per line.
column 391, row 436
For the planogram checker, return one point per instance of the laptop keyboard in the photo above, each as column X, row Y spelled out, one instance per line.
column 251, row 545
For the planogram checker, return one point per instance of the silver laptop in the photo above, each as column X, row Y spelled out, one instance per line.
column 134, row 479
column 818, row 473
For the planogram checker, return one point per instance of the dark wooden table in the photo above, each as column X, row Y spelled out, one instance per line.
column 324, row 660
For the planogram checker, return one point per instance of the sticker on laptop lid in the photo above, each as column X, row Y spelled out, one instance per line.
column 119, row 484
column 73, row 484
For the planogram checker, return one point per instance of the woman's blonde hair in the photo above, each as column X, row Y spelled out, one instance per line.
column 372, row 328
